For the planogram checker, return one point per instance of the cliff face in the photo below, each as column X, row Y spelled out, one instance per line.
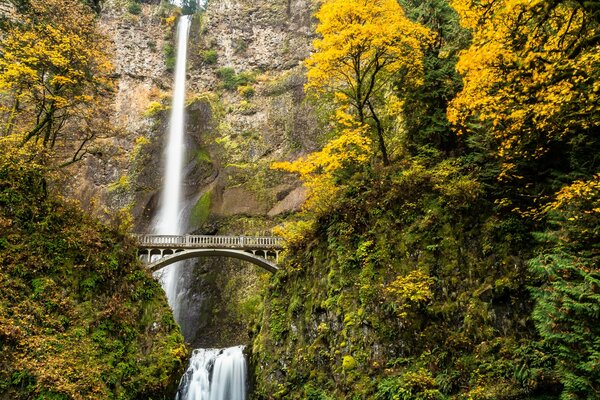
column 109, row 179
column 6, row 9
column 246, row 108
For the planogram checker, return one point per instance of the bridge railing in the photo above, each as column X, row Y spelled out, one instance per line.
column 206, row 241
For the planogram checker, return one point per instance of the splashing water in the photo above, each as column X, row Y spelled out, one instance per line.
column 214, row 374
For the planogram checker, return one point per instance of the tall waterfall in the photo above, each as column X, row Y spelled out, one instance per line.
column 213, row 374
column 169, row 221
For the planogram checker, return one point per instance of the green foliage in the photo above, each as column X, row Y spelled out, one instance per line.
column 209, row 56
column 418, row 385
column 567, row 314
column 232, row 80
column 188, row 7
column 410, row 259
column 170, row 56
column 426, row 271
column 73, row 294
column 567, row 311
column 134, row 7
column 425, row 115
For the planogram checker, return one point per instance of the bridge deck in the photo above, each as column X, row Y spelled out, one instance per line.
column 209, row 242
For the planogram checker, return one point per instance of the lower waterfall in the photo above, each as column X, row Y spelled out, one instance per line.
column 214, row 374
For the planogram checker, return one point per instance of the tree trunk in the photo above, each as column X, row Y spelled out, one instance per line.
column 380, row 139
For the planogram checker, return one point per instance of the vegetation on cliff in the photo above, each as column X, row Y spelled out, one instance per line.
column 466, row 268
column 79, row 316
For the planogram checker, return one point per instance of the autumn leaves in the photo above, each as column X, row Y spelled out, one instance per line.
column 366, row 47
column 54, row 79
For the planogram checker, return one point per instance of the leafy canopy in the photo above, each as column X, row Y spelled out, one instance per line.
column 54, row 76
column 364, row 45
column 531, row 75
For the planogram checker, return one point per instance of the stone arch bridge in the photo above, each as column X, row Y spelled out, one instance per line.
column 159, row 251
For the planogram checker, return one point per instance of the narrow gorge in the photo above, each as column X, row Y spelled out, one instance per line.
column 213, row 187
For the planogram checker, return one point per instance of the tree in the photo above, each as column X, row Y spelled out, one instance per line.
column 531, row 81
column 424, row 115
column 567, row 312
column 365, row 47
column 54, row 76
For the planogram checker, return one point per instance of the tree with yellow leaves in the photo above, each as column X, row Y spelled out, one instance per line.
column 53, row 77
column 366, row 46
column 531, row 76
column 323, row 171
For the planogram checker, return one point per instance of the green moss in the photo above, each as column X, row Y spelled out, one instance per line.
column 79, row 316
column 348, row 363
column 398, row 264
column 201, row 209
column 203, row 156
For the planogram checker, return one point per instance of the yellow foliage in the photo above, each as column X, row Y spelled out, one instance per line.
column 294, row 232
column 360, row 40
column 170, row 20
column 320, row 171
column 366, row 46
column 587, row 192
column 406, row 291
column 530, row 75
column 53, row 71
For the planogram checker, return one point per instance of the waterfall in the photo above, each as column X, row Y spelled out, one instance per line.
column 169, row 221
column 214, row 374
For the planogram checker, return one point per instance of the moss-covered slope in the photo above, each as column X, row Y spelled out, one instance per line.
column 413, row 287
column 79, row 317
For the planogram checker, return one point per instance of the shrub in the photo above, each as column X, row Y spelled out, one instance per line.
column 209, row 57
column 246, row 91
column 169, row 52
column 231, row 80
column 134, row 8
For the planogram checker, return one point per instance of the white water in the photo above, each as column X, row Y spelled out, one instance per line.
column 169, row 221
column 214, row 374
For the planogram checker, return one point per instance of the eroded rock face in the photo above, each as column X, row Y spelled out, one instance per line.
column 233, row 134
column 255, row 35
column 111, row 179
column 7, row 9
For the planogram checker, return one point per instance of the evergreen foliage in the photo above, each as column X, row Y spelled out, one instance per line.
column 567, row 311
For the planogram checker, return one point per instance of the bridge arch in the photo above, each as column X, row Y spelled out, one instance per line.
column 197, row 253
